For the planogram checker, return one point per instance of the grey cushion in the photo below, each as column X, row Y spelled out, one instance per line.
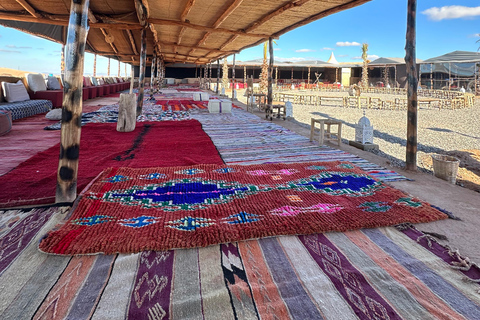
column 55, row 114
column 36, row 82
column 53, row 84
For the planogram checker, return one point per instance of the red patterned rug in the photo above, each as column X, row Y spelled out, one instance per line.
column 151, row 144
column 185, row 105
column 130, row 210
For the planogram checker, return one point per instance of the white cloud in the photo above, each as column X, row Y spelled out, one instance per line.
column 305, row 50
column 9, row 51
column 293, row 59
column 328, row 49
column 12, row 46
column 348, row 44
column 277, row 49
column 451, row 12
column 342, row 55
column 370, row 57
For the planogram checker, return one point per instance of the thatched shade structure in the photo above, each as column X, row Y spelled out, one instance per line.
column 193, row 31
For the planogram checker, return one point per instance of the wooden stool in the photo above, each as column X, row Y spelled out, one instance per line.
column 325, row 132
column 277, row 110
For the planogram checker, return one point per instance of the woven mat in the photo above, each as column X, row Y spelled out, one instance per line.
column 131, row 210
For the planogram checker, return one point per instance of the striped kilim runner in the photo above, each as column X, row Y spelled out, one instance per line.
column 243, row 138
column 381, row 273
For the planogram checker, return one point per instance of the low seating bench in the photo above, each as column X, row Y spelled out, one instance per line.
column 23, row 109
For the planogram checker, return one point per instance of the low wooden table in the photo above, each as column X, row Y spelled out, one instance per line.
column 260, row 100
column 281, row 111
column 325, row 130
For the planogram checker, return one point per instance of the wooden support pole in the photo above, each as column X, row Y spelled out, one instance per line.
column 158, row 73
column 95, row 65
column 270, row 72
column 233, row 77
column 132, row 78
column 72, row 103
column 141, row 78
column 410, row 60
column 152, row 71
column 218, row 75
column 62, row 63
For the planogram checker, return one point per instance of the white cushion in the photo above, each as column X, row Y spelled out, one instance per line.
column 14, row 92
column 55, row 114
column 36, row 82
column 53, row 84
column 94, row 81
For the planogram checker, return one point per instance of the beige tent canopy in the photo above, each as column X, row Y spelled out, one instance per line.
column 193, row 31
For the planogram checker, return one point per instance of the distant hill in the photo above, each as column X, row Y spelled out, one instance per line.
column 12, row 72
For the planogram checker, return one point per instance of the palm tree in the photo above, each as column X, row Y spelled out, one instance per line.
column 365, row 66
column 225, row 75
column 264, row 73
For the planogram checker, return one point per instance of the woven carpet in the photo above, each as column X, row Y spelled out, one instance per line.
column 130, row 210
column 381, row 273
column 150, row 144
column 243, row 138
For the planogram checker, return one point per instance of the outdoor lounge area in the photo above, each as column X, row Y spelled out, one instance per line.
column 164, row 199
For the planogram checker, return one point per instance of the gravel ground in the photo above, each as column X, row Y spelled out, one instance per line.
column 439, row 130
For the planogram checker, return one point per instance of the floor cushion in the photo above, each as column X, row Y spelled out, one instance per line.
column 14, row 92
column 23, row 109
column 5, row 122
column 36, row 82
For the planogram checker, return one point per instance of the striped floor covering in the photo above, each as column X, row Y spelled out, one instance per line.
column 243, row 138
column 378, row 273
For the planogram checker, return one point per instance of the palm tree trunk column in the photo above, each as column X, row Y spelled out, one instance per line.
column 67, row 172
column 410, row 60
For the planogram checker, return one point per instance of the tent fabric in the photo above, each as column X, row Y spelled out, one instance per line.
column 456, row 56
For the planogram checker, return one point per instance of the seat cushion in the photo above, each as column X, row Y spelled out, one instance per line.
column 52, row 83
column 36, row 82
column 23, row 109
column 5, row 122
column 14, row 92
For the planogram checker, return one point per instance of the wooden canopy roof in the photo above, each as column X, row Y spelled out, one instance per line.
column 191, row 31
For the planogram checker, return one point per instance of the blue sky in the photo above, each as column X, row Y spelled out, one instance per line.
column 442, row 26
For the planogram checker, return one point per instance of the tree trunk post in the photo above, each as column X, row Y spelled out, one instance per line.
column 95, row 65
column 218, row 75
column 141, row 78
column 67, row 172
column 270, row 72
column 132, row 78
column 152, row 72
column 410, row 60
column 233, row 78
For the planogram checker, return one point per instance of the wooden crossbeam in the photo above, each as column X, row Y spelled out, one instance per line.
column 205, row 28
column 279, row 11
column 132, row 42
column 233, row 38
column 219, row 21
column 29, row 8
column 62, row 20
column 187, row 9
column 164, row 43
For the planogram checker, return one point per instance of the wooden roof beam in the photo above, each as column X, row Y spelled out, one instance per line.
column 142, row 12
column 163, row 43
column 62, row 20
column 227, row 12
column 219, row 21
column 132, row 42
column 29, row 8
column 186, row 10
column 204, row 28
column 233, row 38
column 267, row 17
